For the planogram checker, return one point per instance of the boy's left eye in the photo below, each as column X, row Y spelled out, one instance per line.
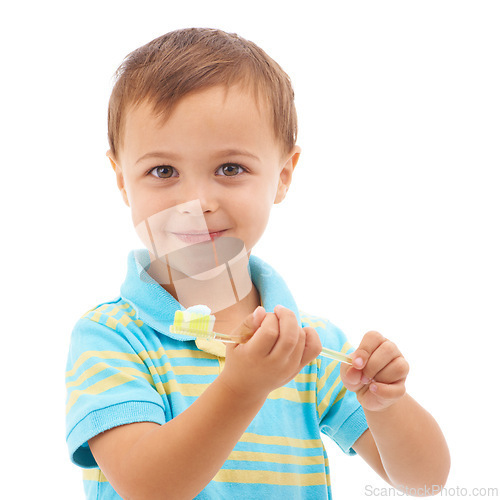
column 230, row 169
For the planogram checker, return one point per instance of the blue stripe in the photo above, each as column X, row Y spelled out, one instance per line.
column 273, row 466
column 279, row 449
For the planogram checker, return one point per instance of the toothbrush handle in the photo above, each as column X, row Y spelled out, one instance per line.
column 327, row 353
column 338, row 356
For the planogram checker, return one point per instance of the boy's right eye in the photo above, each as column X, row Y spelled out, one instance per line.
column 163, row 171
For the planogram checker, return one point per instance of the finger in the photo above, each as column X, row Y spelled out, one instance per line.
column 379, row 359
column 369, row 343
column 246, row 329
column 312, row 345
column 259, row 314
column 396, row 370
column 250, row 324
column 288, row 332
column 266, row 336
column 351, row 378
column 295, row 357
column 387, row 392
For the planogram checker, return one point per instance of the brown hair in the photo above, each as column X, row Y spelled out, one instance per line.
column 186, row 60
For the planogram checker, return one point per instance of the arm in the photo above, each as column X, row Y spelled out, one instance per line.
column 146, row 460
column 404, row 444
column 409, row 445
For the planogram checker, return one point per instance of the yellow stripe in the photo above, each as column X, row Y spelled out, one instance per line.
column 112, row 322
column 174, row 386
column 340, row 395
column 327, row 464
column 186, row 389
column 130, row 313
column 293, row 395
column 96, row 316
column 314, row 324
column 326, row 400
column 307, row 378
column 94, row 475
column 250, row 437
column 270, row 477
column 313, row 321
column 177, row 370
column 99, row 387
column 179, row 353
column 99, row 367
column 113, row 311
column 192, row 390
column 96, row 308
column 195, row 370
column 254, row 456
column 329, row 369
column 153, row 371
column 195, row 390
column 142, row 356
column 102, row 355
column 243, row 476
column 187, row 370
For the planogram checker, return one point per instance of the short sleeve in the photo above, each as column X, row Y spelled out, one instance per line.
column 108, row 384
column 341, row 416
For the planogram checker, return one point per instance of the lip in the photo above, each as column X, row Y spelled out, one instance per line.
column 198, row 237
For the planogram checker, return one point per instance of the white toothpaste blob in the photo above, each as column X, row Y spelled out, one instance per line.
column 199, row 309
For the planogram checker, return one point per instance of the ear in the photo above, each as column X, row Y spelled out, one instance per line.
column 285, row 179
column 119, row 177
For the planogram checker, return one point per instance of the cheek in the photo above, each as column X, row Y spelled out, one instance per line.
column 255, row 208
column 144, row 204
column 258, row 200
column 139, row 210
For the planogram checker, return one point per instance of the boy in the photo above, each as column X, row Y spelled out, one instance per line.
column 202, row 130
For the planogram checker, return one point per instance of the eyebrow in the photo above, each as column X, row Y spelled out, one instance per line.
column 218, row 154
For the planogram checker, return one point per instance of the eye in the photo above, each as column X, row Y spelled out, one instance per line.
column 231, row 169
column 163, row 171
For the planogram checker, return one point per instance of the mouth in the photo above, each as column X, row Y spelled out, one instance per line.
column 198, row 237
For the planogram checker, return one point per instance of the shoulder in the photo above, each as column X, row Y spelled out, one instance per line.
column 112, row 314
column 329, row 334
column 312, row 320
column 108, row 326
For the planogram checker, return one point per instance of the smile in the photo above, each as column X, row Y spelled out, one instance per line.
column 199, row 237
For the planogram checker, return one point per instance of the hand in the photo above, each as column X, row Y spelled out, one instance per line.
column 377, row 374
column 274, row 355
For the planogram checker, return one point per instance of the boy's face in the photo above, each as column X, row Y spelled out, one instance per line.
column 215, row 158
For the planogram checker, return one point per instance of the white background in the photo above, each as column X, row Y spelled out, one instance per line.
column 391, row 222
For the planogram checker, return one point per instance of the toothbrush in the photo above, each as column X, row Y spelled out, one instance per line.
column 196, row 321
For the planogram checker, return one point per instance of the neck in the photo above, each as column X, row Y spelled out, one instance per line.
column 227, row 289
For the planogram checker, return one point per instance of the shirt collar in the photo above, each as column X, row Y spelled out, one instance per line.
column 156, row 307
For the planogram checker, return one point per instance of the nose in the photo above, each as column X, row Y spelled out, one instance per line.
column 196, row 197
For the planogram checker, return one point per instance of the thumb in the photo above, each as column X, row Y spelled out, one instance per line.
column 250, row 324
column 351, row 377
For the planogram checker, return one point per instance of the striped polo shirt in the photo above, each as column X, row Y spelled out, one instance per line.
column 125, row 366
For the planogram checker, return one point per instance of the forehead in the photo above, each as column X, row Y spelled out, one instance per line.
column 211, row 118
